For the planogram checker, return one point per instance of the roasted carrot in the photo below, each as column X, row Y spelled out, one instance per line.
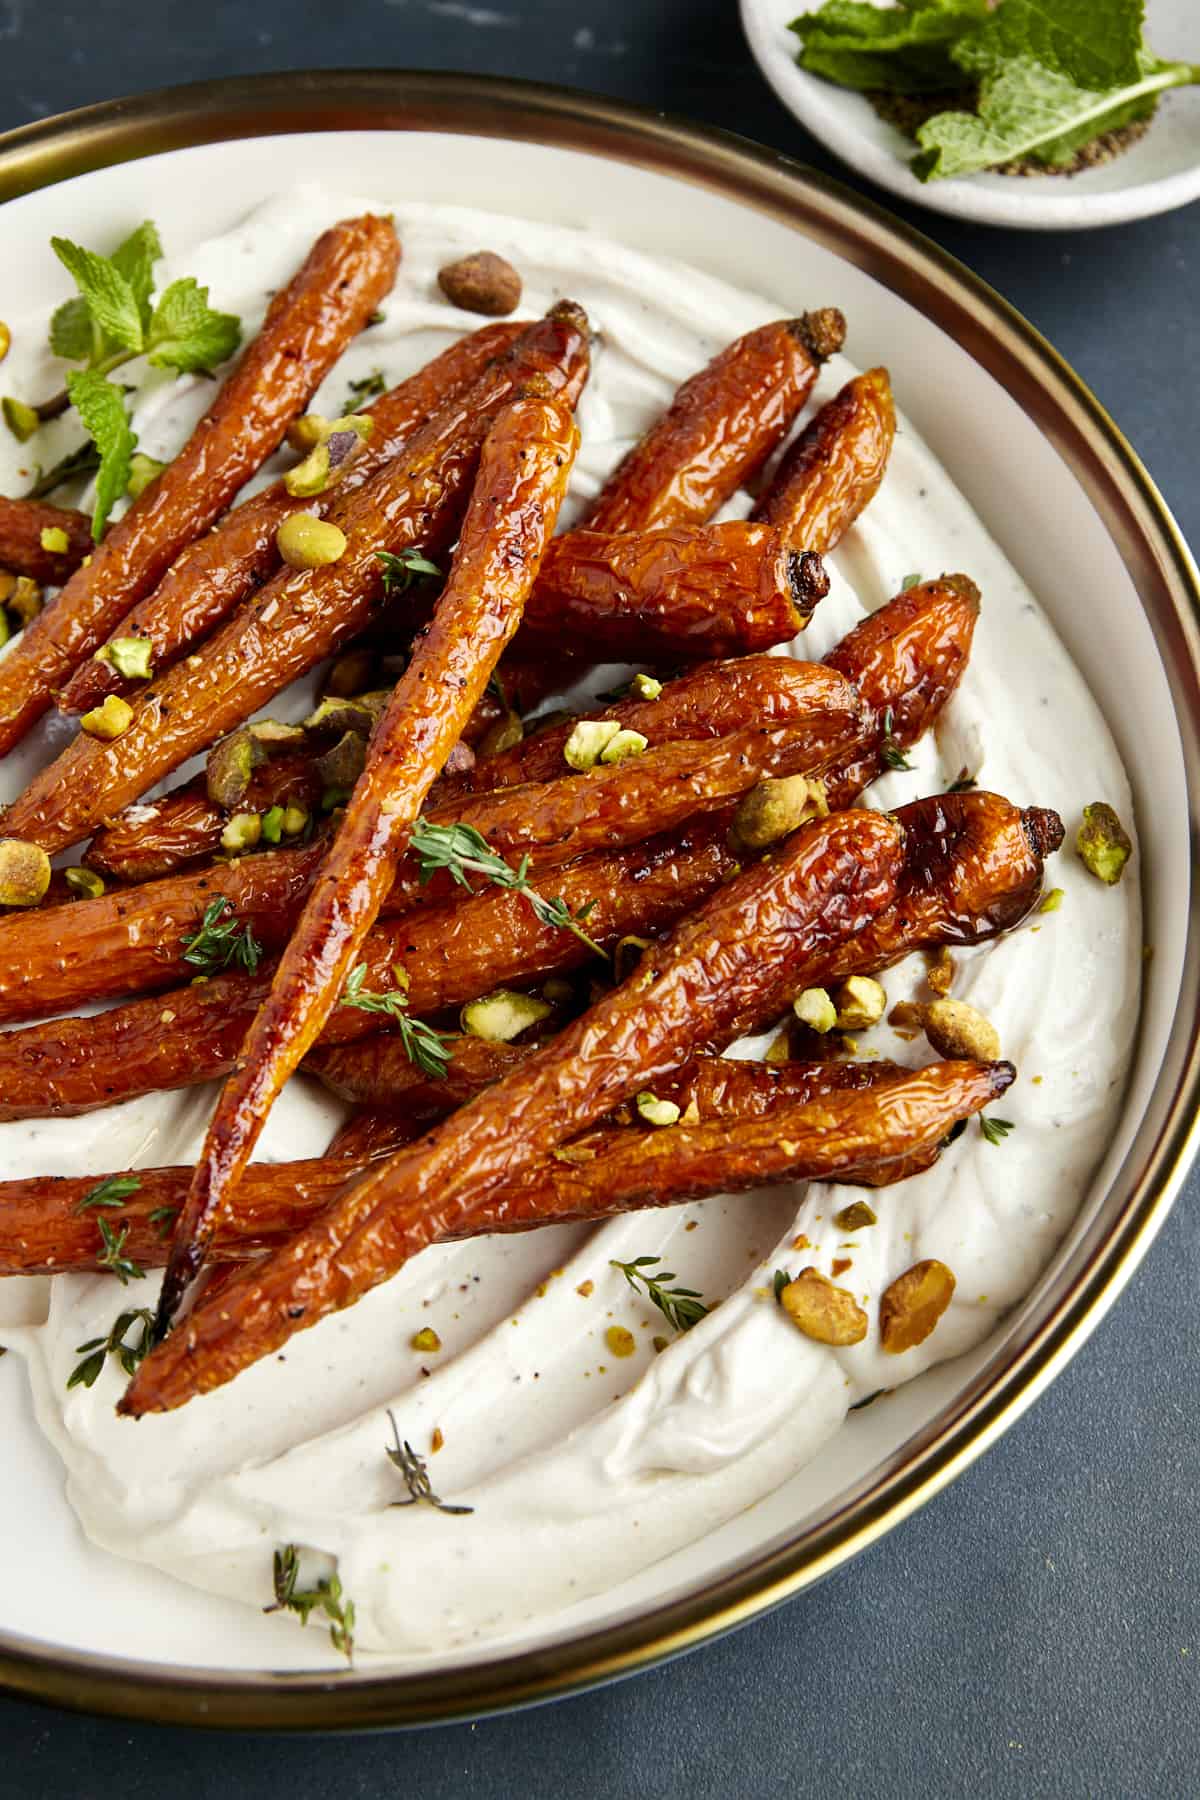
column 679, row 593
column 803, row 1125
column 906, row 660
column 524, row 467
column 308, row 325
column 720, row 428
column 217, row 573
column 448, row 954
column 730, row 966
column 300, row 616
column 835, row 466
column 22, row 550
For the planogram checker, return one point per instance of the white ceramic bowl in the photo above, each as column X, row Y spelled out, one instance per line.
column 1159, row 172
column 1070, row 505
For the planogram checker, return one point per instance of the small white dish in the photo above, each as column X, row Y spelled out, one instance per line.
column 1160, row 172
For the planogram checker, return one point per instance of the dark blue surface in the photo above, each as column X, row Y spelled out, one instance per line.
column 1036, row 1630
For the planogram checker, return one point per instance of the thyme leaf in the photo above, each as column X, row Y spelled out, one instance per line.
column 781, row 1280
column 463, row 851
column 163, row 1220
column 416, row 1476
column 97, row 1350
column 890, row 753
column 424, row 1046
column 222, row 942
column 114, row 1190
column 681, row 1307
column 995, row 1130
column 401, row 569
column 367, row 387
column 326, row 1597
column 113, row 1256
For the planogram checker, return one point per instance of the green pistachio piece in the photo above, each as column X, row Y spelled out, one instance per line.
column 502, row 1016
column 655, row 1111
column 229, row 766
column 1103, row 843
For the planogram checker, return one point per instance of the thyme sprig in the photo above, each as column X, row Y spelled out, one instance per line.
column 367, row 387
column 779, row 1281
column 163, row 1220
column 96, row 1351
column 400, row 569
column 890, row 753
column 112, row 1256
column 424, row 1046
column 463, row 851
column 416, row 1476
column 222, row 942
column 995, row 1130
column 681, row 1307
column 326, row 1596
column 114, row 1190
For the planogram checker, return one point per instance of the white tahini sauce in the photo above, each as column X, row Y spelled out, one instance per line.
column 582, row 1467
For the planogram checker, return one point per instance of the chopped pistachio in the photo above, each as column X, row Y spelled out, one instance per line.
column 350, row 674
column 143, row 470
column 426, row 1339
column 590, row 736
column 660, row 1343
column 21, row 420
column 500, row 1017
column 941, row 972
column 645, row 687
column 310, row 476
column 25, row 602
column 242, row 832
column 24, row 872
column 822, row 1311
column 505, row 734
column 333, row 716
column 958, row 1030
column 129, row 656
column 557, row 991
column 623, row 747
column 5, row 628
column 109, row 720
column 5, row 340
column 620, row 1340
column 775, row 808
column 1103, row 843
column 912, row 1305
column 1052, row 902
column 307, row 431
column 306, row 542
column 230, row 764
column 84, row 882
column 295, row 818
column 779, row 1050
column 860, row 1003
column 272, row 824
column 273, row 734
column 656, row 1112
column 815, row 1009
column 54, row 539
column 855, row 1217
column 342, row 766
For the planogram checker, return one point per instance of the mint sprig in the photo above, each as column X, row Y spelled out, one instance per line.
column 113, row 319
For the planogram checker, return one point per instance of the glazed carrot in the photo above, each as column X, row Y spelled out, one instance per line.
column 727, row 968
column 160, row 837
column 830, row 1129
column 711, row 701
column 835, row 466
column 300, row 616
column 217, row 573
column 22, row 552
column 906, row 660
column 448, row 954
column 685, row 592
column 308, row 324
column 524, row 466
column 720, row 428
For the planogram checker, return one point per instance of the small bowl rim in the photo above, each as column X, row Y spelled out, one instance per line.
column 1137, row 519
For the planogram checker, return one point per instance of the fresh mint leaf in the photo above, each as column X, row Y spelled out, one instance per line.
column 71, row 335
column 1094, row 43
column 111, row 301
column 186, row 333
column 1028, row 110
column 135, row 260
column 101, row 406
column 904, row 49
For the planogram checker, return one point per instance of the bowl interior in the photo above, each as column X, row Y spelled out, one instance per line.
column 1001, row 440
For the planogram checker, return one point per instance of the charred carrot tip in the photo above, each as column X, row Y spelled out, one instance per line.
column 571, row 312
column 808, row 579
column 965, row 588
column 822, row 332
column 1043, row 828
